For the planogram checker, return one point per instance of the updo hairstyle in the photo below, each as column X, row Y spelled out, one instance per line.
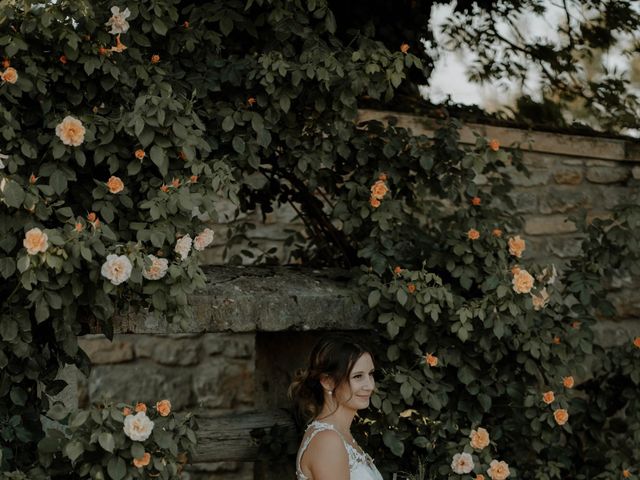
column 333, row 356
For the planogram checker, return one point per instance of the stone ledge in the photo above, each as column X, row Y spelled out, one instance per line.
column 544, row 142
column 252, row 299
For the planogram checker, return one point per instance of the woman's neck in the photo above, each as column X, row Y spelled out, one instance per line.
column 341, row 417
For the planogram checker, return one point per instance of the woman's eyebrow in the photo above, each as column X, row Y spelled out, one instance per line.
column 362, row 371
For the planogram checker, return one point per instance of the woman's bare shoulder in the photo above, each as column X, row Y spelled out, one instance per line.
column 326, row 457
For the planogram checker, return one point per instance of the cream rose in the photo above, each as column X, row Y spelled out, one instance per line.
column 498, row 470
column 70, row 131
column 203, row 240
column 10, row 75
column 183, row 246
column 158, row 268
column 479, row 438
column 117, row 269
column 516, row 246
column 118, row 21
column 462, row 463
column 35, row 241
column 138, row 427
column 522, row 281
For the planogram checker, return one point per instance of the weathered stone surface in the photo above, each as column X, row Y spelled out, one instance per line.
column 548, row 225
column 101, row 350
column 635, row 171
column 626, row 302
column 572, row 162
column 607, row 174
column 536, row 178
column 242, row 299
column 223, row 384
column 236, row 345
column 568, row 176
column 563, row 199
column 525, row 202
column 610, row 333
column 219, row 471
column 142, row 381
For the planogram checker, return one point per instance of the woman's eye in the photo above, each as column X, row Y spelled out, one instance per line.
column 357, row 376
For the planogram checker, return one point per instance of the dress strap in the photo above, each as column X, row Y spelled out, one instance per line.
column 313, row 429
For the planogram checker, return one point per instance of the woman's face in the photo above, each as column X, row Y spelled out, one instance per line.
column 356, row 392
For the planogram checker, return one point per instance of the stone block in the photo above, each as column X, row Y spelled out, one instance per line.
column 233, row 346
column 223, row 383
column 627, row 303
column 563, row 199
column 548, row 225
column 635, row 171
column 573, row 162
column 607, row 174
column 142, row 381
column 610, row 333
column 525, row 201
column 536, row 177
column 101, row 350
column 568, row 176
column 176, row 351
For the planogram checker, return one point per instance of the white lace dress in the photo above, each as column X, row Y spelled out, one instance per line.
column 361, row 465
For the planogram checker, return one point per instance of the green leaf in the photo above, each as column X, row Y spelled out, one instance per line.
column 79, row 418
column 227, row 124
column 159, row 158
column 116, row 468
column 74, row 449
column 238, row 144
column 159, row 27
column 8, row 329
column 7, row 267
column 393, row 443
column 401, row 296
column 374, row 298
column 285, row 104
column 58, row 182
column 226, row 26
column 106, row 441
column 13, row 194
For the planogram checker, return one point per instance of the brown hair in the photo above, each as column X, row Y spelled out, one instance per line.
column 333, row 356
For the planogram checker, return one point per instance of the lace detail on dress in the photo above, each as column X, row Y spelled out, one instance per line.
column 357, row 458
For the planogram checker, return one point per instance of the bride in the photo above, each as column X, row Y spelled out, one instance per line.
column 338, row 383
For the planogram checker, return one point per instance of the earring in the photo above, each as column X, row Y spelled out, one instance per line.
column 330, row 392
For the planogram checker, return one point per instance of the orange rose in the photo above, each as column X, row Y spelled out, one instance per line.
column 142, row 461
column 397, row 270
column 494, row 145
column 126, row 411
column 411, row 288
column 475, row 201
column 33, row 179
column 251, row 101
column 10, row 75
column 522, row 282
column 175, row 183
column 92, row 217
column 515, row 269
column 35, row 241
column 79, row 227
column 479, row 477
column 626, row 473
column 431, row 360
column 568, row 382
column 164, row 188
column 6, row 63
column 379, row 190
column 556, row 340
column 140, row 154
column 140, row 407
column 374, row 202
column 636, row 342
column 155, row 59
column 115, row 185
column 404, row 48
column 473, row 234
column 185, row 24
column 496, row 232
column 119, row 47
column 561, row 416
column 516, row 246
column 163, row 407
column 193, row 178
column 63, row 59
column 548, row 397
column 479, row 438
column 102, row 51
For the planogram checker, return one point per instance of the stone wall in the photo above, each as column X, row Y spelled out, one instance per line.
column 232, row 364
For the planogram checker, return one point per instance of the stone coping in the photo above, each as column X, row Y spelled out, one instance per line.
column 582, row 146
column 265, row 298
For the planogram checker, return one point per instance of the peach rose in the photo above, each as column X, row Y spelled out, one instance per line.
column 117, row 268
column 203, row 240
column 494, row 145
column 498, row 470
column 479, row 438
column 163, row 407
column 516, row 246
column 404, row 48
column 479, row 477
column 540, row 300
column 142, row 461
column 79, row 227
column 70, row 131
column 473, row 234
column 140, row 407
column 183, row 246
column 251, row 101
column 496, row 232
column 561, row 416
column 193, row 178
column 374, row 202
column 35, row 241
column 548, row 397
column 397, row 270
column 157, row 269
column 10, row 75
column 175, row 182
column 140, row 154
column 379, row 190
column 475, row 201
column 155, row 59
column 411, row 288
column 522, row 282
column 636, row 342
column 431, row 360
column 626, row 473
column 568, row 382
column 115, row 185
